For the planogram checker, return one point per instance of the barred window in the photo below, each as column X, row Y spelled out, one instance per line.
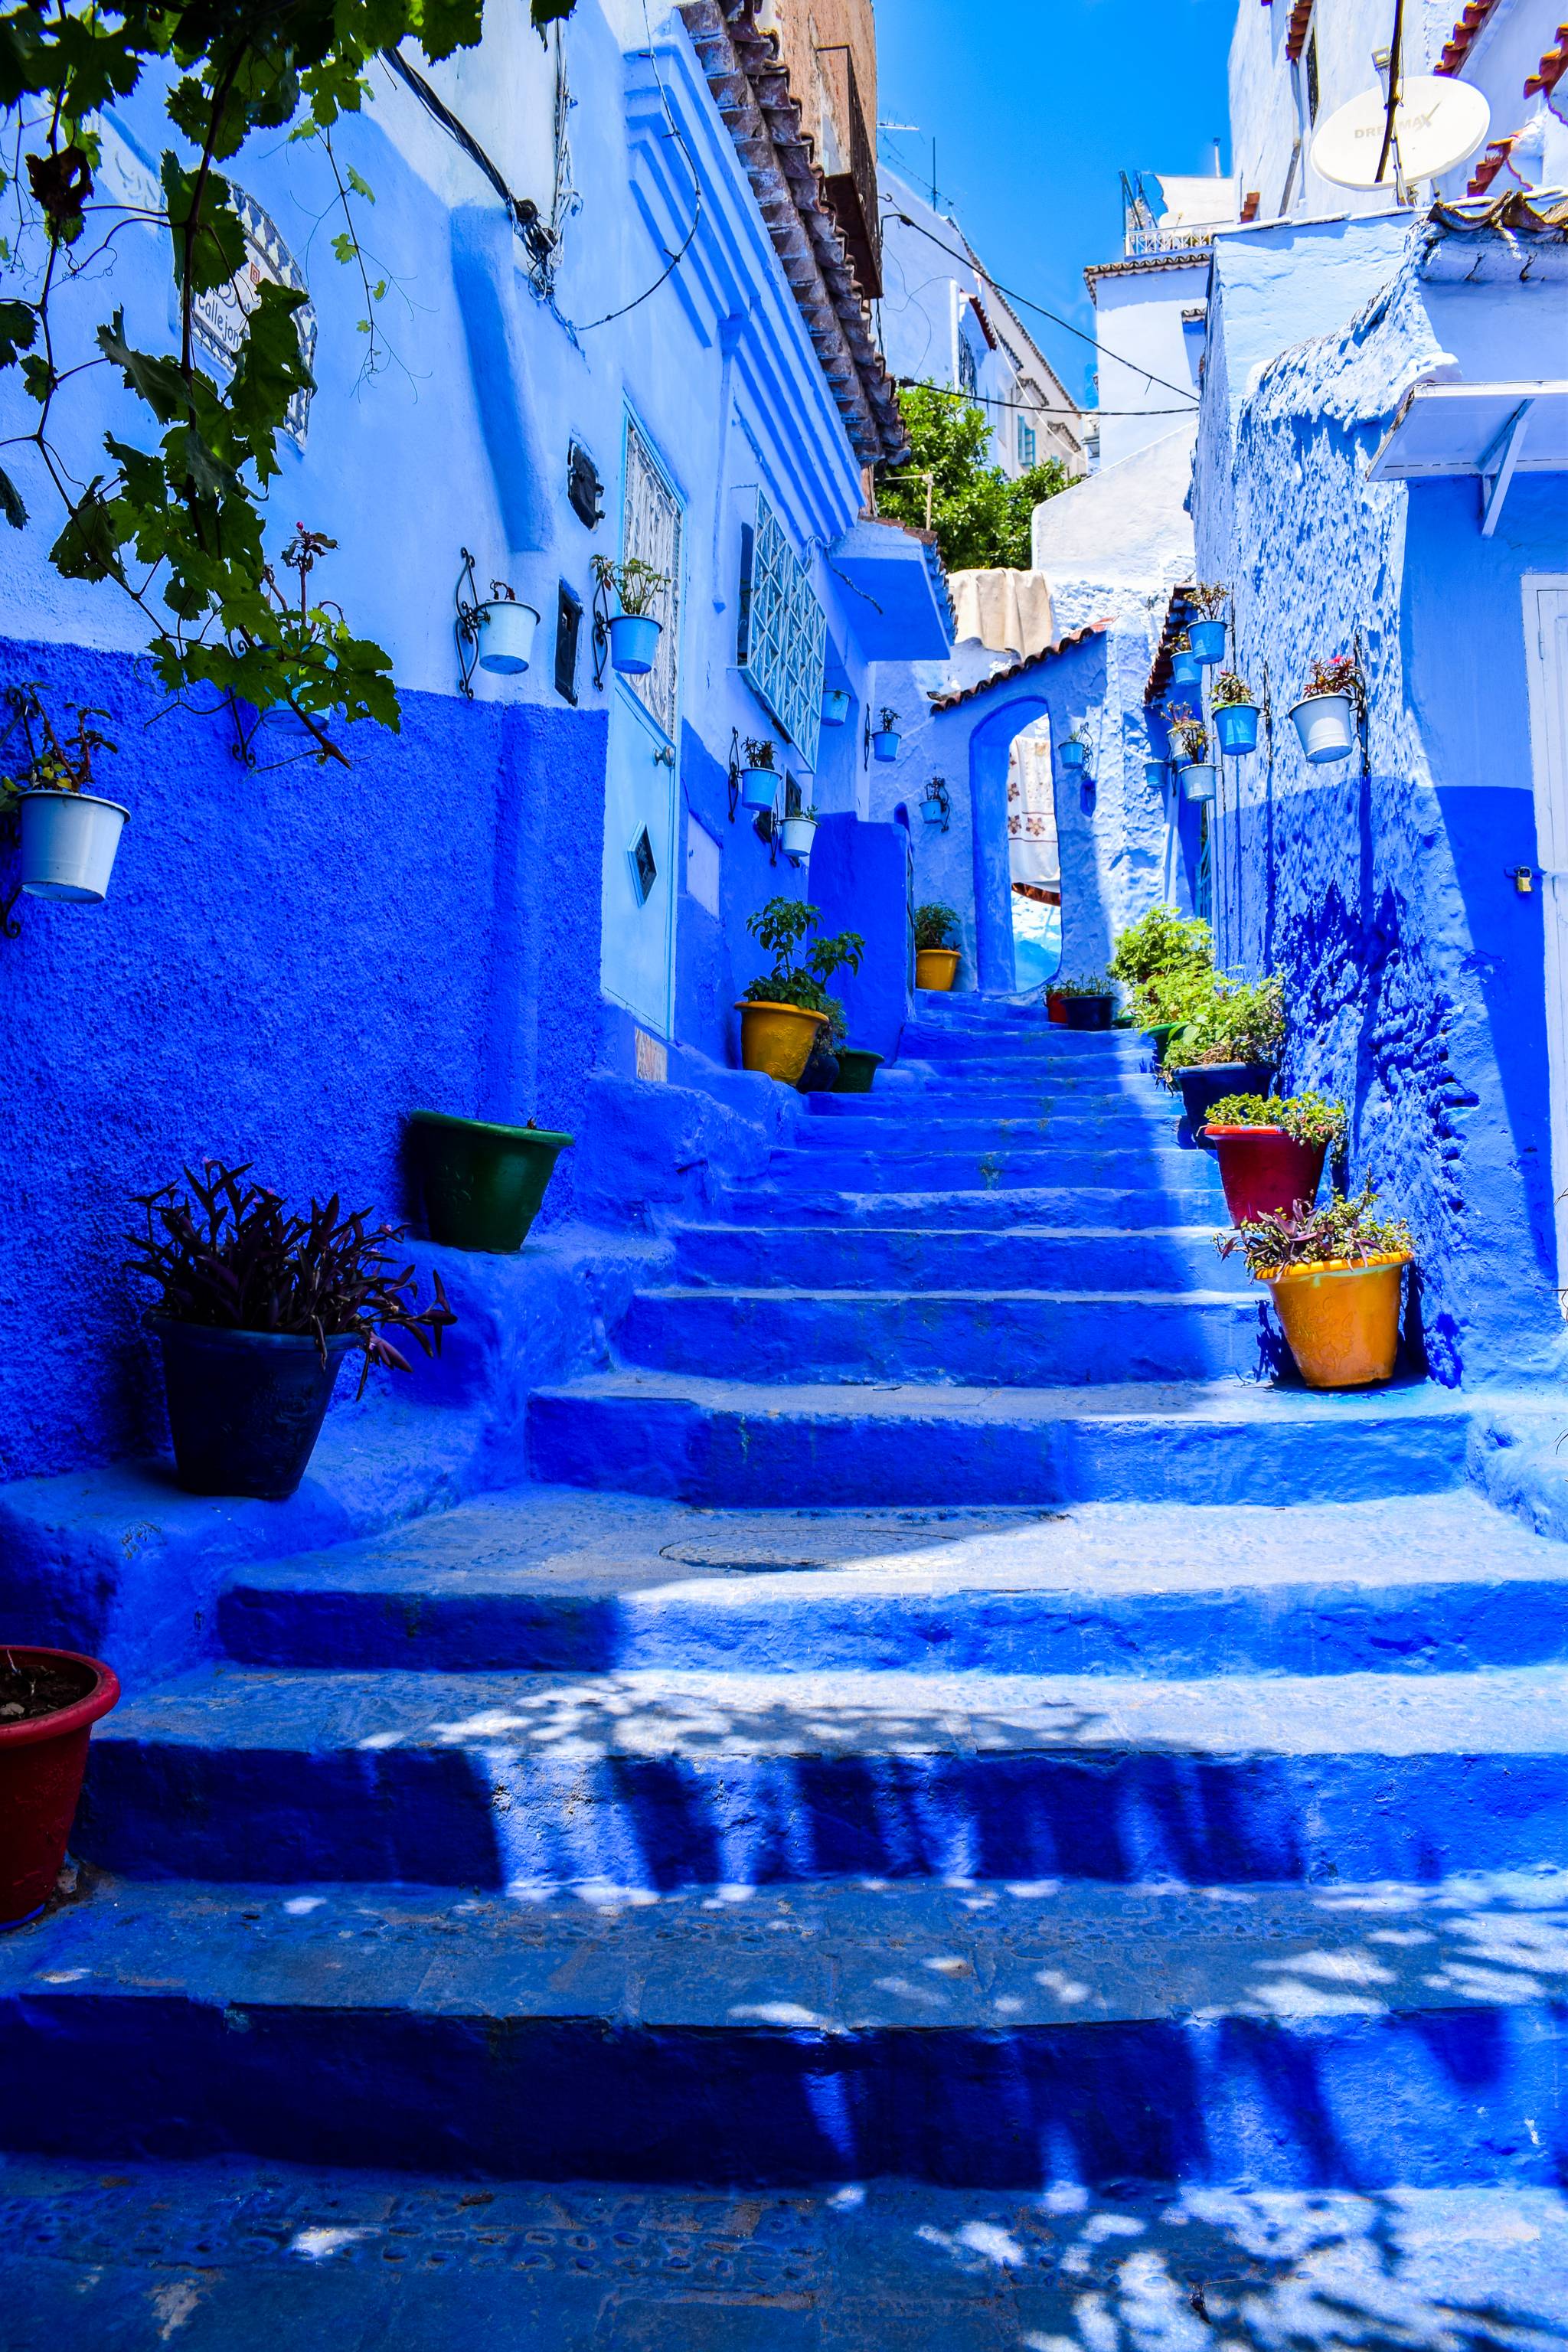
column 1027, row 443
column 650, row 527
column 784, row 631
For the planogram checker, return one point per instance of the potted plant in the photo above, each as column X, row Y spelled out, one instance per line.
column 49, row 1701
column 1085, row 1003
column 857, row 1068
column 1325, row 715
column 1335, row 1274
column 1185, row 668
column 1231, row 1045
column 1194, row 769
column 936, row 955
column 506, row 634
column 1206, row 635
column 885, row 740
column 1234, row 714
column 782, row 1012
column 636, row 587
column 1271, row 1150
column 798, row 832
column 1163, row 957
column 759, row 777
column 256, row 1310
column 835, row 706
column 1074, row 748
column 70, row 833
column 481, row 1183
column 1154, row 773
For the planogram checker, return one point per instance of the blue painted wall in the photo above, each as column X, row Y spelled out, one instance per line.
column 1413, row 968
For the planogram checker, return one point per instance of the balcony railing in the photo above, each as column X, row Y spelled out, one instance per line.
column 853, row 192
column 1144, row 243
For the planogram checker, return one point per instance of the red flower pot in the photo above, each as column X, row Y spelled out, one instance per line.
column 1265, row 1172
column 42, row 1759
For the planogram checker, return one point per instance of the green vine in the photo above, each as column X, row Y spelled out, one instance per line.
column 178, row 525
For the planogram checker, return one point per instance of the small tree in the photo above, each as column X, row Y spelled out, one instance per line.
column 981, row 518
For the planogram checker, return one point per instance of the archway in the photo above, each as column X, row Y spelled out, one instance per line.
column 1034, row 857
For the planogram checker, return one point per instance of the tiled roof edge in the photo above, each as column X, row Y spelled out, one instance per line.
column 1021, row 668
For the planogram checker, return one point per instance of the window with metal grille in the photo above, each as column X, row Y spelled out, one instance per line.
column 650, row 527
column 968, row 373
column 784, row 631
column 1027, row 443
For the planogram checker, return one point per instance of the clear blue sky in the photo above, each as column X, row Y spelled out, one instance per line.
column 1035, row 105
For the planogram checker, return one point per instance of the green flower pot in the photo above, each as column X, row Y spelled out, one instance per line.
column 483, row 1183
column 857, row 1068
column 1160, row 1035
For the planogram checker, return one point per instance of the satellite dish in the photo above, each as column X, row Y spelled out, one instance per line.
column 1437, row 124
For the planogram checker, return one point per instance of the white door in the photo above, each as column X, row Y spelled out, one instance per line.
column 1546, row 652
column 639, row 896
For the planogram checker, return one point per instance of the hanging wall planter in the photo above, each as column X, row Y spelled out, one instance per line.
column 1197, row 780
column 1154, row 776
column 43, row 1755
column 69, row 841
column 1185, row 668
column 632, row 632
column 1207, row 639
column 482, row 1183
column 798, row 833
column 1236, row 724
column 835, row 706
column 1326, row 725
column 633, row 644
column 885, row 737
column 1073, row 752
column 506, row 636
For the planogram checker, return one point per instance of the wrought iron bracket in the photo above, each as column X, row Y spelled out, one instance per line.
column 470, row 620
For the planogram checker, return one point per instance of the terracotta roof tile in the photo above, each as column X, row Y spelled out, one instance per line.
column 1020, row 668
column 1551, row 68
column 1457, row 48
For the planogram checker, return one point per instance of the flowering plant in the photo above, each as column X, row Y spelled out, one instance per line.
column 1191, row 738
column 1230, row 688
column 1339, row 675
column 1210, row 598
column 1342, row 1233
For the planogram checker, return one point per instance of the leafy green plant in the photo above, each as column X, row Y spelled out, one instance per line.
column 1191, row 739
column 981, row 518
column 782, row 928
column 936, row 926
column 758, row 753
column 55, row 762
column 1305, row 1118
column 1090, row 983
column 1180, row 643
column 227, row 1256
column 1208, row 599
column 1338, row 675
column 1344, row 1232
column 636, row 585
column 887, row 721
column 175, row 520
column 1181, row 996
column 1241, row 1021
column 1230, row 688
column 1161, row 941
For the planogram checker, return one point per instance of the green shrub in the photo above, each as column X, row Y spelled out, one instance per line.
column 1161, row 941
column 936, row 926
column 1305, row 1118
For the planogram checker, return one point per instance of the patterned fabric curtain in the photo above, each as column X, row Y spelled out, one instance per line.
column 1032, row 813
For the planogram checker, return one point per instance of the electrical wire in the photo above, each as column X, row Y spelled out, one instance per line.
column 1024, row 407
column 685, row 245
column 1012, row 295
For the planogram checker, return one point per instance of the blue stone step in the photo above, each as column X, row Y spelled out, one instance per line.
column 680, row 1776
column 983, row 1208
column 264, row 2255
column 985, row 2033
column 554, row 1579
column 1006, row 1339
column 748, row 1443
column 1165, row 1172
column 1177, row 1258
column 1129, row 1132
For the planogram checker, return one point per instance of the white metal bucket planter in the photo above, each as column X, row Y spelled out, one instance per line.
column 1197, row 779
column 798, row 834
column 68, row 844
column 1326, row 725
column 506, row 636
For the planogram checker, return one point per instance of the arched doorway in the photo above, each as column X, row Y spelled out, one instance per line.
column 1034, row 856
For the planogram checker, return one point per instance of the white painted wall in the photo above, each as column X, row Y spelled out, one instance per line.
column 1145, row 348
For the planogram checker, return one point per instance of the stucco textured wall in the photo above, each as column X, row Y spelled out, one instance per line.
column 1413, row 970
column 288, row 962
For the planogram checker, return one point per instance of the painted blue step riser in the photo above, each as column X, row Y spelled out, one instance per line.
column 680, row 1449
column 992, row 1209
column 1116, row 1135
column 998, row 1342
column 1327, row 1630
column 907, row 1166
column 1321, row 2102
column 852, row 1258
column 487, row 1816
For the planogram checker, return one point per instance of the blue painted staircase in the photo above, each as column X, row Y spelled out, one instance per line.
column 945, row 1708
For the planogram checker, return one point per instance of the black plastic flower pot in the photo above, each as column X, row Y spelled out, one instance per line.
column 483, row 1183
column 1209, row 1082
column 857, row 1067
column 246, row 1408
column 1088, row 1012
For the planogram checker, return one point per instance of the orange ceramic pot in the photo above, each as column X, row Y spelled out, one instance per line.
column 777, row 1038
column 936, row 966
column 1342, row 1321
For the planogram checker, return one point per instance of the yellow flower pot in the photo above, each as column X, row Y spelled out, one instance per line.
column 1342, row 1321
column 936, row 966
column 777, row 1038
